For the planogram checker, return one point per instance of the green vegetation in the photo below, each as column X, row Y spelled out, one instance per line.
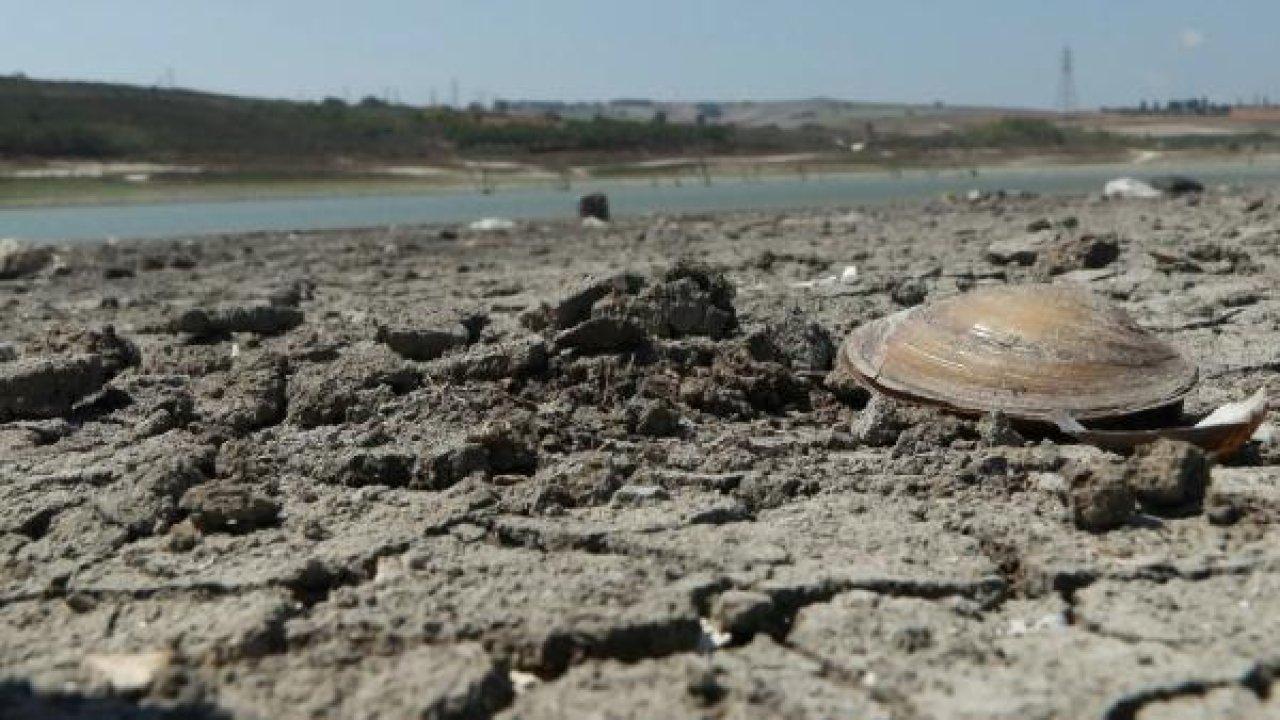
column 1017, row 132
column 95, row 120
column 598, row 135
column 1014, row 133
column 44, row 119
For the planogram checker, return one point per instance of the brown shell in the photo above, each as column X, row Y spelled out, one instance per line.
column 1031, row 351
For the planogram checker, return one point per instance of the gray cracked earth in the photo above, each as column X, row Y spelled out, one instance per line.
column 564, row 472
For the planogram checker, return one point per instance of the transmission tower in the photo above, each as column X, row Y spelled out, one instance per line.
column 1067, row 82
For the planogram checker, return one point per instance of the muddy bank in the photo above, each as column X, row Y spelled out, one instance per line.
column 554, row 471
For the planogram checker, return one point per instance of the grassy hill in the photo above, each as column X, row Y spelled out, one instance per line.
column 43, row 119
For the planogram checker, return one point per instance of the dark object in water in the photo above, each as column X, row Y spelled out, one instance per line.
column 595, row 205
column 1176, row 184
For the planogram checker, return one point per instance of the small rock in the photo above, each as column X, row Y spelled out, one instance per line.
column 18, row 259
column 1100, row 496
column 1099, row 251
column 575, row 307
column 603, row 335
column 1022, row 250
column 720, row 513
column 8, row 352
column 658, row 418
column 1169, row 474
column 909, row 292
column 1176, row 184
column 257, row 319
column 1039, row 224
column 743, row 614
column 638, row 495
column 797, row 342
column 374, row 467
column 424, row 342
column 995, row 430
column 595, row 205
column 48, row 387
column 879, row 424
column 128, row 674
column 517, row 359
column 229, row 507
column 690, row 300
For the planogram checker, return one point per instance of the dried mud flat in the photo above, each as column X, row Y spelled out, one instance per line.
column 563, row 472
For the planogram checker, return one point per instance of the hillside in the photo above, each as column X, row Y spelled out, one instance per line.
column 44, row 119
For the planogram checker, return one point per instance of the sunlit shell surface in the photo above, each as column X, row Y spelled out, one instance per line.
column 1032, row 351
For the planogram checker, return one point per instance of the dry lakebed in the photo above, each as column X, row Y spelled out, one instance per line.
column 602, row 472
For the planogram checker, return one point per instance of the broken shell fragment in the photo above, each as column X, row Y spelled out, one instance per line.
column 1034, row 352
column 1222, row 432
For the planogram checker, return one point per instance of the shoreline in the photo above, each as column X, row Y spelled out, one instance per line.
column 25, row 192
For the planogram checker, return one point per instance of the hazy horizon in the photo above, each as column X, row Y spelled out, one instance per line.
column 994, row 53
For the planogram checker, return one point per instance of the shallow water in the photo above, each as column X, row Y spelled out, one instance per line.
column 626, row 197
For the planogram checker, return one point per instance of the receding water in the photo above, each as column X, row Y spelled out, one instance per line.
column 626, row 198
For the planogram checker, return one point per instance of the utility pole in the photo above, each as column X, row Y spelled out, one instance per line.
column 1067, row 82
column 455, row 93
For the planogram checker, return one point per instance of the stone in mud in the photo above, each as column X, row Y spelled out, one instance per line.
column 742, row 614
column 291, row 294
column 513, row 359
column 909, row 292
column 1022, row 250
column 448, row 466
column 500, row 448
column 374, row 467
column 603, row 335
column 324, row 394
column 930, row 435
column 880, row 422
column 689, row 301
column 796, row 342
column 575, row 306
column 995, row 430
column 424, row 343
column 583, row 480
column 255, row 319
column 1169, row 475
column 1100, row 496
column 18, row 259
column 227, row 507
column 250, row 397
column 657, row 418
column 431, row 337
column 1243, row 494
column 455, row 682
column 48, row 387
column 152, row 477
column 116, row 352
column 640, row 495
column 1087, row 252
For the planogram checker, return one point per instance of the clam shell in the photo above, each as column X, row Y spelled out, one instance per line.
column 1035, row 352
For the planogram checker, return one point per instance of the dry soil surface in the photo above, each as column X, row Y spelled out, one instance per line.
column 566, row 472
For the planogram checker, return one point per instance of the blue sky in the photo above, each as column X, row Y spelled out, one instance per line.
column 981, row 51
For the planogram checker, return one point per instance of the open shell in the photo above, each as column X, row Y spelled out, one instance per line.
column 1035, row 352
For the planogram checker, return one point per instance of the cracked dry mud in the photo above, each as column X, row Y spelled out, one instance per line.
column 558, row 472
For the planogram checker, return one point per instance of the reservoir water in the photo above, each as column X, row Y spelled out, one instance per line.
column 627, row 197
